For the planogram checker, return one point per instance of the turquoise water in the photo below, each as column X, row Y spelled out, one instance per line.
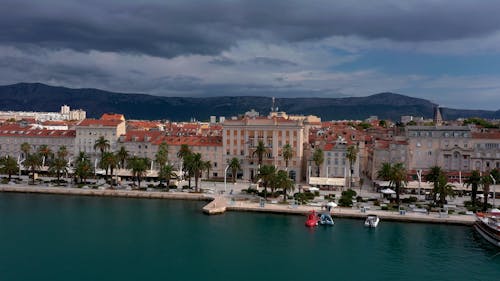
column 49, row 237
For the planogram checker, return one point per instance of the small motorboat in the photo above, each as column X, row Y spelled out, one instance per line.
column 312, row 219
column 326, row 219
column 372, row 221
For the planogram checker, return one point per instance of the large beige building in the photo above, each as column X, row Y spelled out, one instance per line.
column 241, row 136
column 146, row 144
column 449, row 147
column 13, row 135
column 90, row 130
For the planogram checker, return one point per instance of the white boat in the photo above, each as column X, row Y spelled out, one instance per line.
column 372, row 221
column 326, row 219
column 488, row 225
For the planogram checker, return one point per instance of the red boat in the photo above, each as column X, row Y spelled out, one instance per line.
column 312, row 219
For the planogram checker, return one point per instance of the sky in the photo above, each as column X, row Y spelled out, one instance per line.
column 445, row 51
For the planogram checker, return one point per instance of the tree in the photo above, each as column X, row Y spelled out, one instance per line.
column 83, row 167
column 166, row 173
column 196, row 166
column 399, row 178
column 109, row 161
column 474, row 181
column 434, row 177
column 102, row 144
column 396, row 175
column 445, row 189
column 138, row 167
column 280, row 180
column 33, row 162
column 208, row 167
column 318, row 158
column 486, row 181
column 234, row 165
column 184, row 155
column 25, row 148
column 260, row 150
column 161, row 156
column 384, row 173
column 287, row 154
column 122, row 156
column 9, row 166
column 46, row 153
column 266, row 173
column 351, row 155
column 58, row 166
column 62, row 152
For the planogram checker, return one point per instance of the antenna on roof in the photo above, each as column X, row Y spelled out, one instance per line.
column 274, row 108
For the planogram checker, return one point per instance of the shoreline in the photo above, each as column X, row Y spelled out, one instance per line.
column 221, row 204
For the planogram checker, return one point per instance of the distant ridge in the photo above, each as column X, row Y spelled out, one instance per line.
column 42, row 97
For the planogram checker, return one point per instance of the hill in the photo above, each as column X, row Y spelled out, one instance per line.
column 41, row 97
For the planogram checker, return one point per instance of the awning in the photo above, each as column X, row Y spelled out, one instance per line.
column 327, row 181
column 388, row 191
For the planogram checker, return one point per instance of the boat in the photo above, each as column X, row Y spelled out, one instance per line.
column 312, row 219
column 488, row 225
column 372, row 221
column 326, row 219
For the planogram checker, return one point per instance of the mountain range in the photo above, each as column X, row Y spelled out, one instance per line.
column 41, row 97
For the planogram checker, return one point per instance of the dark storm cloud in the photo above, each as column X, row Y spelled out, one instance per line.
column 272, row 62
column 172, row 28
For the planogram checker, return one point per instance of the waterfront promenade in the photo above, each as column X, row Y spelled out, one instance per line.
column 218, row 204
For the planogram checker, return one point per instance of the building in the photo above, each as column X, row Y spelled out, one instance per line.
column 241, row 136
column 13, row 135
column 88, row 131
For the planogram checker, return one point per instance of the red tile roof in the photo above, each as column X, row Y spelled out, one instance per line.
column 18, row 131
column 99, row 123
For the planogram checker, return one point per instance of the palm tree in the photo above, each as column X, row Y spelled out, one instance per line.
column 445, row 189
column 161, row 156
column 486, row 181
column 260, row 150
column 102, row 144
column 474, row 181
column 208, row 167
column 62, row 152
column 58, row 167
column 396, row 175
column 351, row 155
column 83, row 168
column 384, row 173
column 399, row 178
column 166, row 174
column 46, row 153
column 183, row 154
column 138, row 167
column 9, row 166
column 122, row 156
column 318, row 158
column 266, row 173
column 109, row 161
column 196, row 165
column 234, row 165
column 434, row 176
column 33, row 162
column 287, row 154
column 280, row 180
column 25, row 148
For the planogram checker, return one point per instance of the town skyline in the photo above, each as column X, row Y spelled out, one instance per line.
column 425, row 49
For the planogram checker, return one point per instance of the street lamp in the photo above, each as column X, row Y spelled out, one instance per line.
column 494, row 183
column 225, row 178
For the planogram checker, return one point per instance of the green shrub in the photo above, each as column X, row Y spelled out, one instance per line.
column 385, row 208
column 345, row 201
column 351, row 193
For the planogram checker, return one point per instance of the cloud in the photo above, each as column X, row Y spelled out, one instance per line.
column 174, row 28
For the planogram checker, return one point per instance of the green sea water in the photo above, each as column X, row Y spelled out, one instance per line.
column 50, row 237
